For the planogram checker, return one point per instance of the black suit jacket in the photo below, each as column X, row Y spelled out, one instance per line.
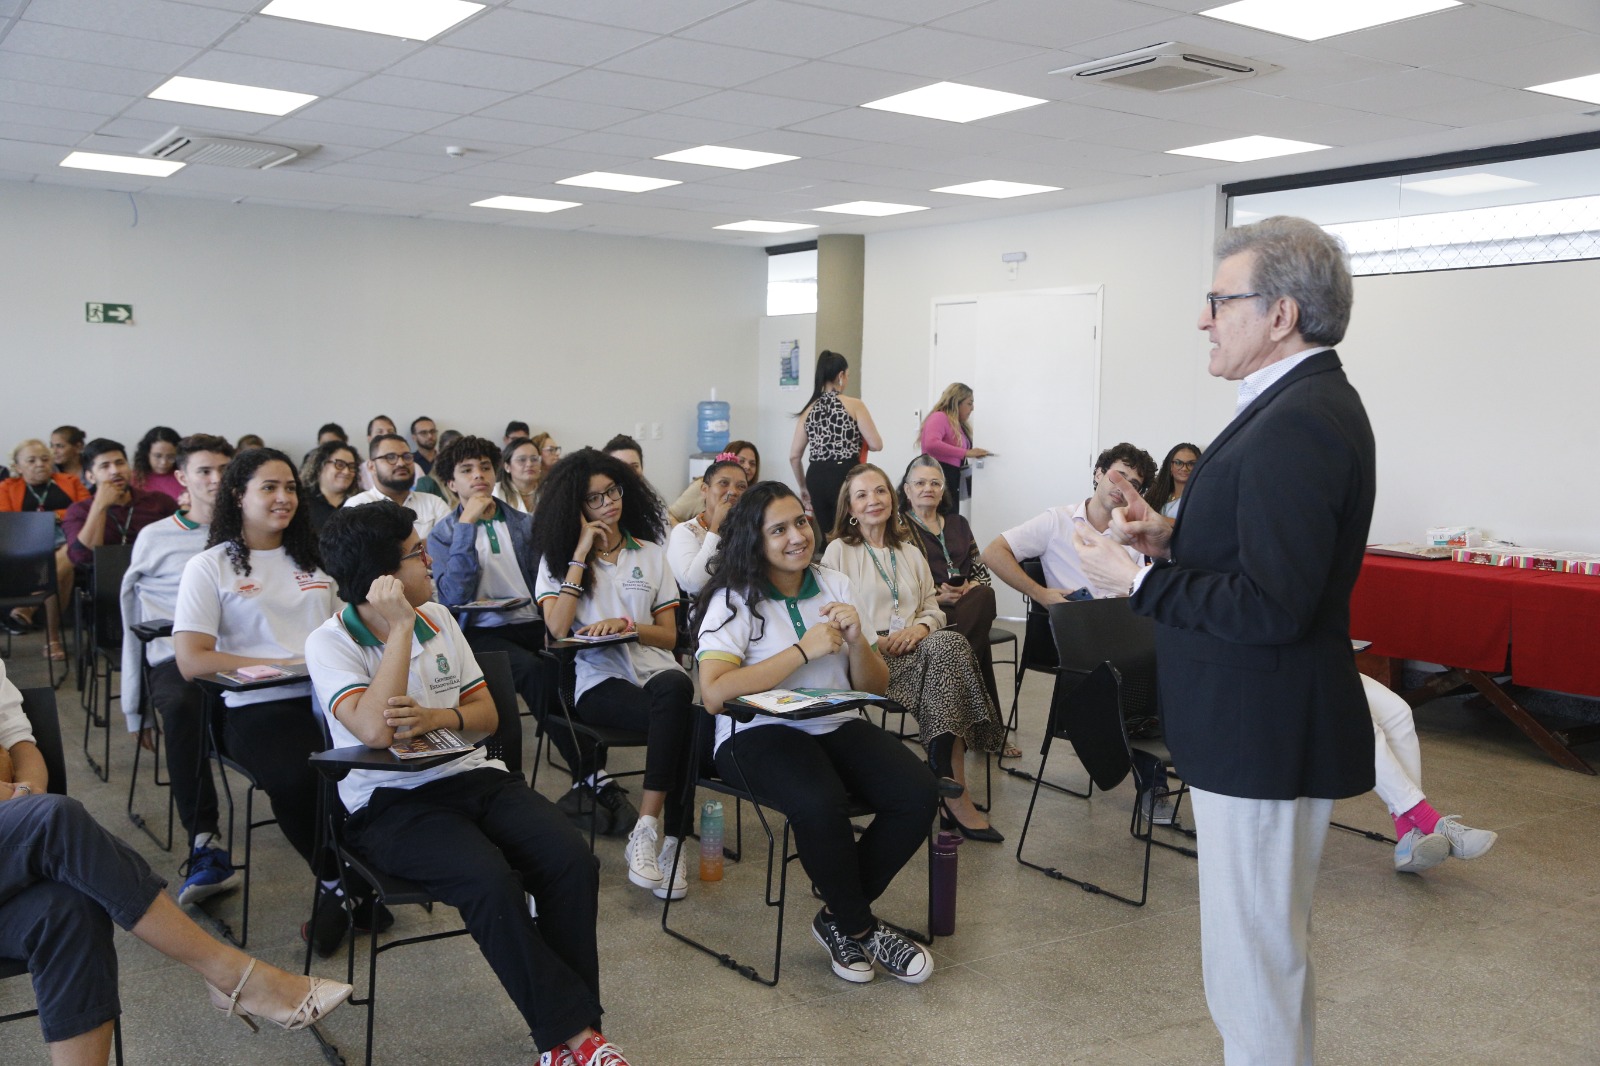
column 1260, row 694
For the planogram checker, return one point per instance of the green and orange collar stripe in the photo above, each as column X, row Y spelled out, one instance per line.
column 808, row 589
column 343, row 694
column 423, row 629
column 182, row 518
column 467, row 690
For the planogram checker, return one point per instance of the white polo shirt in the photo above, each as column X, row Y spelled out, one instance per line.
column 1049, row 537
column 732, row 632
column 500, row 575
column 429, row 507
column 265, row 614
column 343, row 655
column 638, row 586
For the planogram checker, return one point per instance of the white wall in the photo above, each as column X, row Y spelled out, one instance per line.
column 274, row 320
column 775, row 421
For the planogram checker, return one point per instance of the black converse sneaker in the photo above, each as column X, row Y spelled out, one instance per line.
column 898, row 954
column 848, row 955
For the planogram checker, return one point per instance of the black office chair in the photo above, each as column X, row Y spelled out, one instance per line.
column 144, row 633
column 103, row 648
column 28, row 569
column 39, row 704
column 505, row 745
column 1038, row 653
column 564, row 715
column 706, row 778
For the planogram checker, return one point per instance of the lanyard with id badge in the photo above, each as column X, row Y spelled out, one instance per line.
column 896, row 623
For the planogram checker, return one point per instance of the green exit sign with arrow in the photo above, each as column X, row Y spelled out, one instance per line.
column 116, row 314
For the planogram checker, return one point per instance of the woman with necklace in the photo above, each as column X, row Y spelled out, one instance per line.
column 521, row 471
column 932, row 672
column 602, row 572
column 693, row 544
column 37, row 486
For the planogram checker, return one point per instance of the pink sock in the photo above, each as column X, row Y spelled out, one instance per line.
column 1423, row 816
column 1402, row 825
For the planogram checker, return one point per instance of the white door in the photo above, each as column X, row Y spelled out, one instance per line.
column 955, row 347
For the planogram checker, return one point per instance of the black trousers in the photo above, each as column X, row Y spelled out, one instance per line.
column 811, row 780
column 183, row 722
column 63, row 881
column 536, row 679
column 663, row 709
column 273, row 741
column 478, row 841
column 824, row 479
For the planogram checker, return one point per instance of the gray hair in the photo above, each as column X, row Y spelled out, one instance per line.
column 1299, row 259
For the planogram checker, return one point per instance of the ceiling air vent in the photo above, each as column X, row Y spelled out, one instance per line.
column 191, row 146
column 1168, row 67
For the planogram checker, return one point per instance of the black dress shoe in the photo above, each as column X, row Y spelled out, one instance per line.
column 987, row 835
column 327, row 926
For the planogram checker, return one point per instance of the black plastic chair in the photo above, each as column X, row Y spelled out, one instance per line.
column 144, row 633
column 565, row 716
column 28, row 568
column 777, row 871
column 1038, row 653
column 391, row 891
column 39, row 704
column 103, row 648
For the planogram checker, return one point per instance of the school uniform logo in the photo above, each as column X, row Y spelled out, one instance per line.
column 442, row 662
column 637, row 573
column 248, row 588
column 309, row 581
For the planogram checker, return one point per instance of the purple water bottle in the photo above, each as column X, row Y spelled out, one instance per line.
column 943, row 918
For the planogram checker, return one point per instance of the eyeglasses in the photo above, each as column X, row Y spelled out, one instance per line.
column 393, row 458
column 419, row 552
column 1214, row 299
column 551, row 449
column 340, row 464
column 1184, row 464
column 596, row 499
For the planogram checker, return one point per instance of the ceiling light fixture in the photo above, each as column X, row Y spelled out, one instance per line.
column 954, row 102
column 1466, row 184
column 414, row 20
column 121, row 164
column 997, row 190
column 1586, row 88
column 234, row 97
column 756, row 225
column 526, row 203
column 1312, row 20
column 710, row 155
column 600, row 179
column 875, row 208
column 1246, row 149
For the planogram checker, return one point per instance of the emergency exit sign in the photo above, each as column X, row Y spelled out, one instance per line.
column 116, row 314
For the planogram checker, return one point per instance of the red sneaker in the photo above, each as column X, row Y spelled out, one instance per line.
column 598, row 1051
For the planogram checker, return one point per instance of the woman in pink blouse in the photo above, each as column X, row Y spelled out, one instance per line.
column 947, row 436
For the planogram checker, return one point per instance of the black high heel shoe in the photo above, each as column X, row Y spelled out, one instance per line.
column 939, row 752
column 988, row 835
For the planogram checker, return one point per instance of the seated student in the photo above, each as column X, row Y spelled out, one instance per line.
column 64, row 881
column 549, row 450
column 521, row 471
column 117, row 511
column 600, row 528
column 690, row 503
column 392, row 473
column 483, row 551
column 332, row 431
column 514, row 431
column 391, row 666
column 932, row 672
column 149, row 592
column 626, row 449
column 153, row 462
column 328, row 478
column 66, row 450
column 248, row 441
column 1165, row 494
column 251, row 598
column 37, row 486
column 693, row 544
column 378, row 426
column 425, row 435
column 1425, row 838
column 769, row 619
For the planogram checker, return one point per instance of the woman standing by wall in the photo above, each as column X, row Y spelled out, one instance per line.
column 947, row 436
column 833, row 427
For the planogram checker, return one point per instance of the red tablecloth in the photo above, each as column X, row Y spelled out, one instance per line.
column 1471, row 616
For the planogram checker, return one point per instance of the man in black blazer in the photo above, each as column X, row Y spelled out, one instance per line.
column 1263, row 707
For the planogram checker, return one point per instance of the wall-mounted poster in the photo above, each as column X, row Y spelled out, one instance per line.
column 789, row 366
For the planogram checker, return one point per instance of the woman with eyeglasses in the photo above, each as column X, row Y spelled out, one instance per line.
column 603, row 571
column 521, row 470
column 549, row 451
column 329, row 478
column 1166, row 492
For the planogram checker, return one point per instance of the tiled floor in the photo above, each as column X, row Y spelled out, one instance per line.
column 1492, row 962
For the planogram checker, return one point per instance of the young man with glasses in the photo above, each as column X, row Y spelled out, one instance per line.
column 425, row 435
column 392, row 470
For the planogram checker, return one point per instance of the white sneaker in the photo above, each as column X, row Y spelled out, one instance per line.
column 1158, row 810
column 1418, row 851
column 641, row 851
column 680, row 876
column 1465, row 841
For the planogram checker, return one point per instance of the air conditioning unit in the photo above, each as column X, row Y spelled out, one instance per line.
column 191, row 146
column 1168, row 67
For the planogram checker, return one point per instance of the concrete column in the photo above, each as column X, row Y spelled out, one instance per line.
column 841, row 270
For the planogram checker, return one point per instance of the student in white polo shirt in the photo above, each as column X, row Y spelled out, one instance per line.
column 392, row 470
column 769, row 619
column 392, row 665
column 601, row 529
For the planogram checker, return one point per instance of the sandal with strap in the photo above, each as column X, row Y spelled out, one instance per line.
column 323, row 997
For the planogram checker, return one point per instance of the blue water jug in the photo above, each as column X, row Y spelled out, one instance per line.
column 711, row 418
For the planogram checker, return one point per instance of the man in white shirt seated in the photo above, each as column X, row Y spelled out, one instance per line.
column 392, row 470
column 1048, row 537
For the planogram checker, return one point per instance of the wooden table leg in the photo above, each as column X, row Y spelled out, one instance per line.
column 1553, row 744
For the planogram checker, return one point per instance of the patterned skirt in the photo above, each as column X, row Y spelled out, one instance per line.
column 940, row 685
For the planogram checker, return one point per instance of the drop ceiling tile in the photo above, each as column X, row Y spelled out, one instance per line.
column 1314, row 66
column 974, row 138
column 419, row 93
column 794, row 142
column 1061, row 120
column 1570, row 56
column 776, row 178
column 86, row 46
column 1031, row 76
column 151, row 20
column 570, row 114
column 56, row 96
column 1579, row 14
column 43, row 70
column 912, row 11
column 532, row 36
column 142, row 129
column 328, row 46
column 193, row 116
column 792, row 29
column 381, row 116
column 430, row 144
column 623, row 90
column 895, row 157
column 1500, row 106
column 1190, row 29
column 675, row 59
column 241, row 6
column 811, row 171
column 1372, row 129
column 933, row 53
column 362, row 169
column 651, row 17
column 504, row 177
column 457, row 66
column 308, row 131
column 499, row 131
column 570, row 162
column 756, row 108
column 272, row 73
column 11, row 130
column 1157, row 135
column 1050, row 23
column 1472, row 29
column 428, row 162
column 605, row 142
column 835, row 83
column 868, row 124
column 685, row 129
